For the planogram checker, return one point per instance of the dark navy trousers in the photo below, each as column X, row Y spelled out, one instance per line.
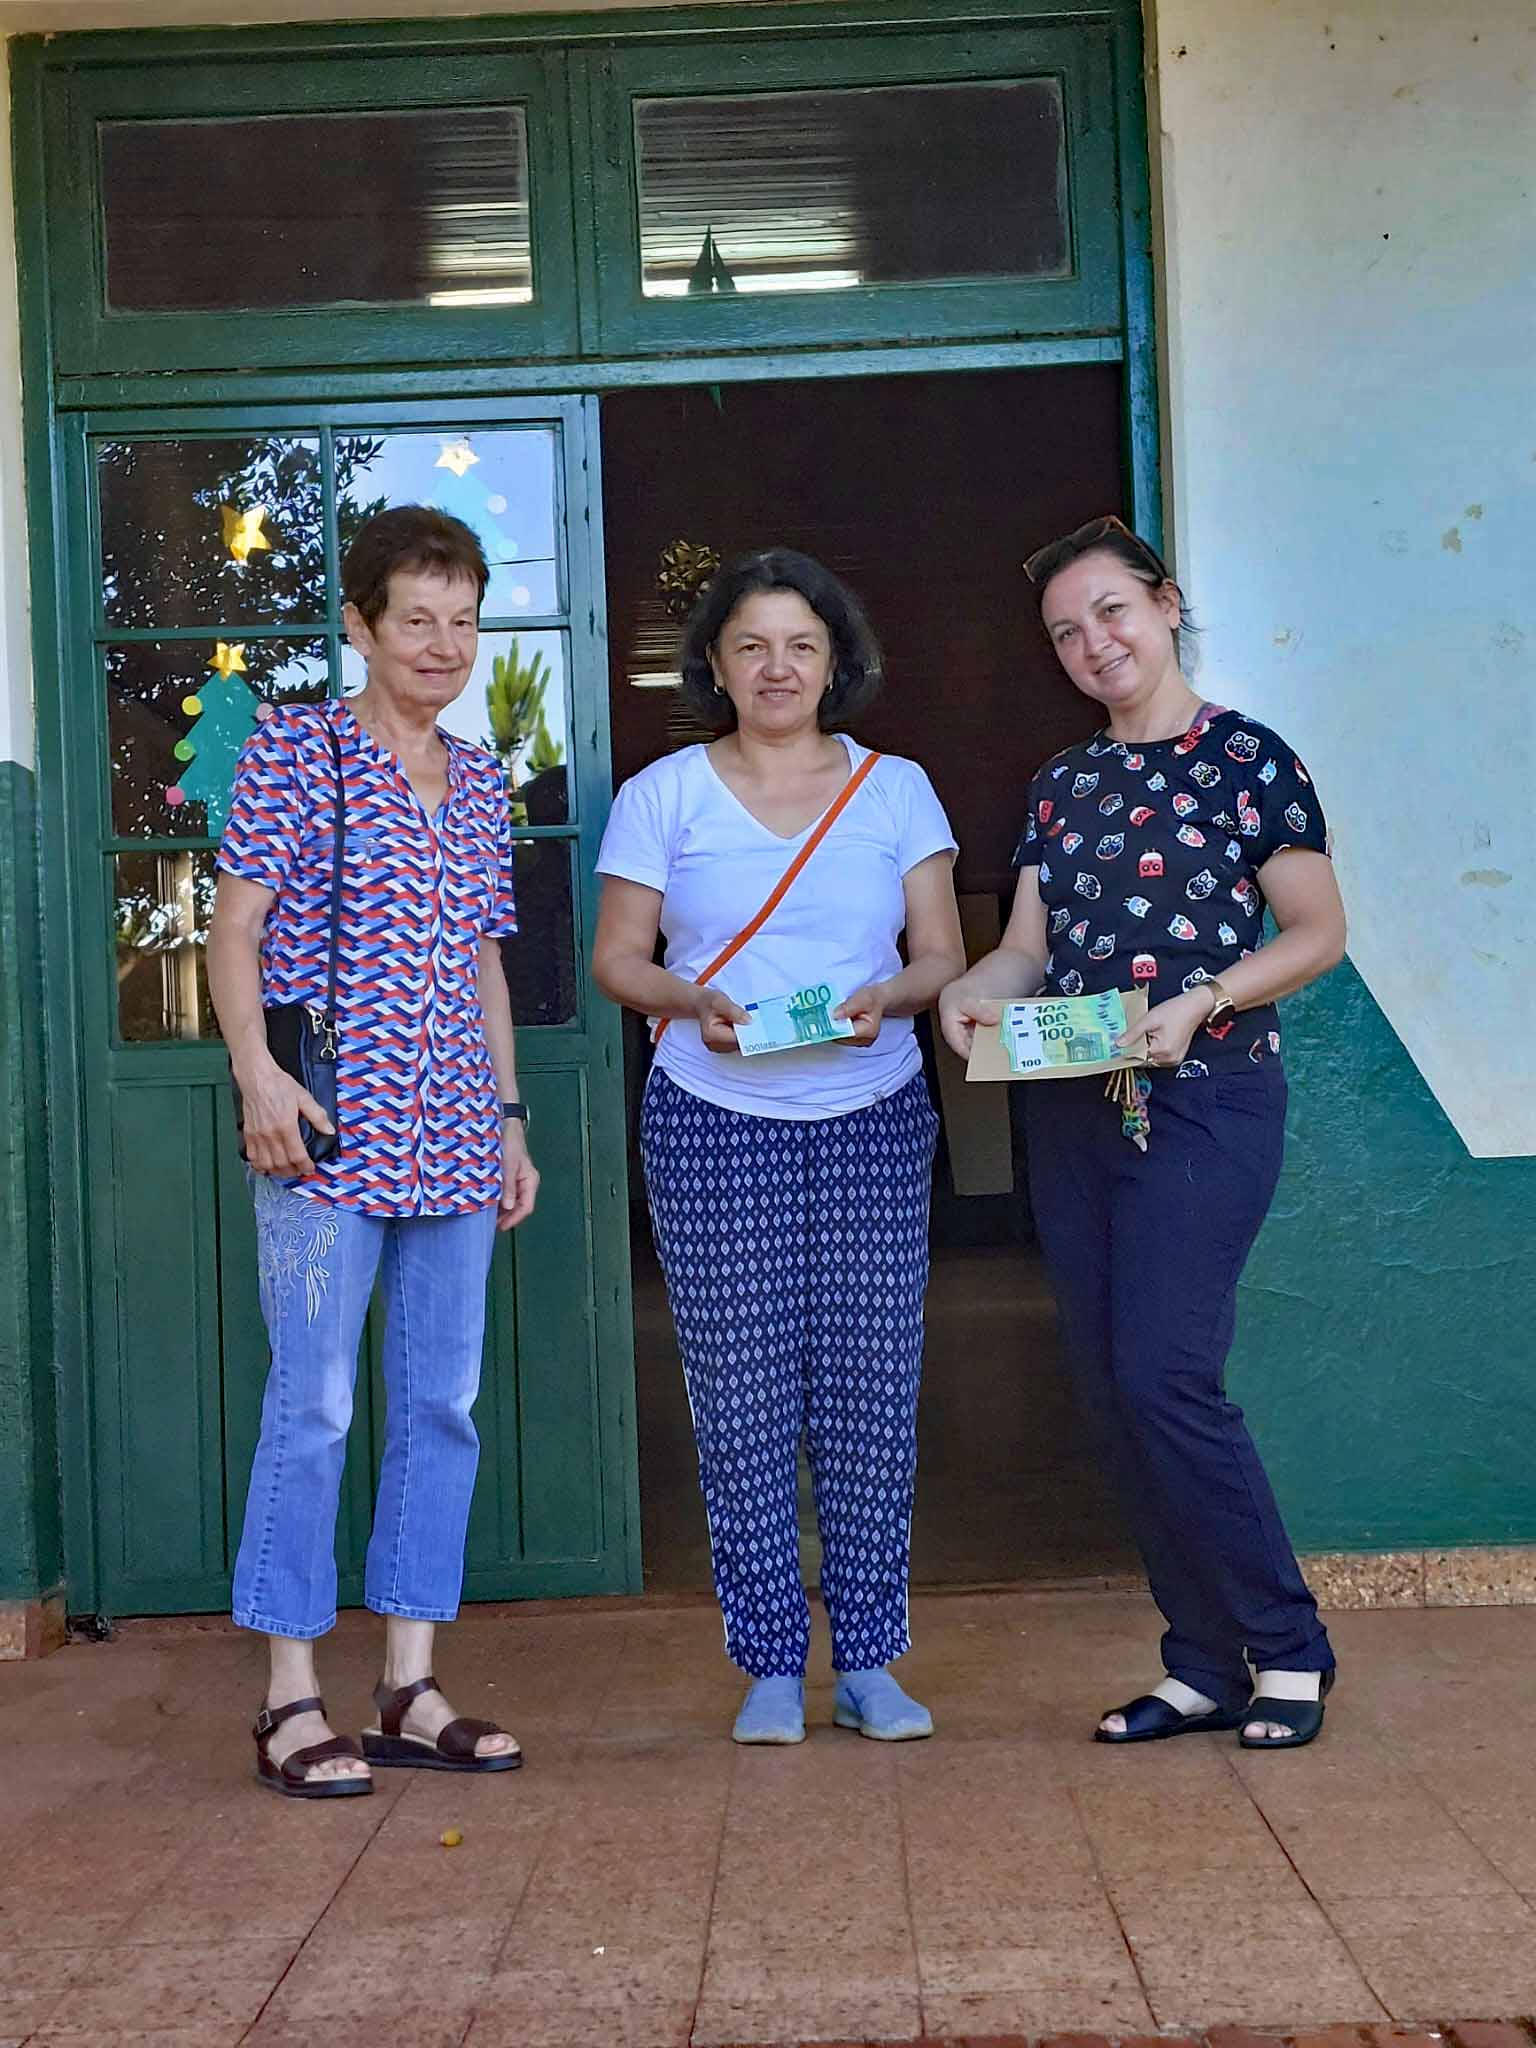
column 1145, row 1250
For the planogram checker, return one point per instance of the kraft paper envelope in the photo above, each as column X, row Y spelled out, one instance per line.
column 989, row 1056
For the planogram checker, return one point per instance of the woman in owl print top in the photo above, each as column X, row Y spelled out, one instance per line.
column 1148, row 857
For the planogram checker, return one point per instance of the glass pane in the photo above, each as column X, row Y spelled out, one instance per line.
column 297, row 210
column 179, row 711
column 194, row 532
column 813, row 191
column 540, row 962
column 162, row 906
column 514, row 704
column 163, row 903
column 501, row 484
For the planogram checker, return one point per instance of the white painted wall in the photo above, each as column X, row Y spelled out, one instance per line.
column 15, row 644
column 1351, row 368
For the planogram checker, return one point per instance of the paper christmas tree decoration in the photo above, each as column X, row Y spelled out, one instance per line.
column 223, row 714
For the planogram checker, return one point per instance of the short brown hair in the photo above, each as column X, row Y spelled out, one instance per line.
column 413, row 538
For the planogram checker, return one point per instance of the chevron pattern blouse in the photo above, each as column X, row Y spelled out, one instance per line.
column 419, row 1116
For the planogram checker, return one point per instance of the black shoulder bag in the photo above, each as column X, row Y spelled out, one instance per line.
column 301, row 1037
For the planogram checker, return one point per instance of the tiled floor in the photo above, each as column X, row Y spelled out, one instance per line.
column 643, row 1884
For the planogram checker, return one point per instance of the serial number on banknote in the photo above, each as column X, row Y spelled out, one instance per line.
column 783, row 1023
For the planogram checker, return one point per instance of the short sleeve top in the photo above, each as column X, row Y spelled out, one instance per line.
column 1148, row 859
column 416, row 1092
column 677, row 828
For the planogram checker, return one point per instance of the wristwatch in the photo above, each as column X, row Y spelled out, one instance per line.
column 1222, row 1004
column 518, row 1110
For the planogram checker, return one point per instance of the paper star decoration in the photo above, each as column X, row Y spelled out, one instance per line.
column 242, row 531
column 457, row 456
column 229, row 661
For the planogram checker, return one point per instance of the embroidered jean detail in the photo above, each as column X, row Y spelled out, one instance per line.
column 432, row 1272
column 293, row 1240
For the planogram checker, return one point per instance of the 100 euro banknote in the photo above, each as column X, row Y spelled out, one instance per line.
column 1065, row 1034
column 784, row 1023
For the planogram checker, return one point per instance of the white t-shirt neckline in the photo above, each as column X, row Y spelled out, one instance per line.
column 805, row 831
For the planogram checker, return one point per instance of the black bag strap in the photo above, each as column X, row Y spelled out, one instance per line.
column 337, row 849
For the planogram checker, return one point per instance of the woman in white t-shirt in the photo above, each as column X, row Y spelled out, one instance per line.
column 789, row 1191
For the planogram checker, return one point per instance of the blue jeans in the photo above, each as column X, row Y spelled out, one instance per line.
column 317, row 1266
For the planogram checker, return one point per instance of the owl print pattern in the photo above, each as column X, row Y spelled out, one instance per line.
column 1149, row 858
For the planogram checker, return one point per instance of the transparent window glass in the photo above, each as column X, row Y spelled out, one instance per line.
column 294, row 210
column 501, row 484
column 194, row 532
column 162, row 903
column 514, row 704
column 178, row 713
column 823, row 190
column 540, row 959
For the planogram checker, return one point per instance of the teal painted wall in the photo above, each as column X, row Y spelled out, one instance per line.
column 1385, row 1351
column 31, row 1540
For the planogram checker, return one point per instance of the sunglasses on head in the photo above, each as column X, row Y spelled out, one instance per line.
column 1070, row 546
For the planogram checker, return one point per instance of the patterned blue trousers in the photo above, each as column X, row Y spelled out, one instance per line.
column 796, row 1260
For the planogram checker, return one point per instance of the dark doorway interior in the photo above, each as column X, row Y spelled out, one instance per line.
column 926, row 493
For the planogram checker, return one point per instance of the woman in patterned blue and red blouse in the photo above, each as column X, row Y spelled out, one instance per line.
column 433, row 1157
column 1148, row 857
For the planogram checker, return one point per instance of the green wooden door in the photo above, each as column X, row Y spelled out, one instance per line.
column 204, row 580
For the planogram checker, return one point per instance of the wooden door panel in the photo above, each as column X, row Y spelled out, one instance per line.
column 538, row 1416
column 161, row 1450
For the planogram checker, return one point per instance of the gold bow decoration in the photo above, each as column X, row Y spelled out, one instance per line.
column 684, row 568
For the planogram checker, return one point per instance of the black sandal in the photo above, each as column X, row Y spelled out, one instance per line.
column 290, row 1776
column 454, row 1749
column 1150, row 1719
column 1304, row 1718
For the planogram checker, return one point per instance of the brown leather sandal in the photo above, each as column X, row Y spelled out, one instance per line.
column 454, row 1749
column 290, row 1777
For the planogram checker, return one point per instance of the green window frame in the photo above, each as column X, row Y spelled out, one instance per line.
column 577, row 78
column 93, row 634
column 92, row 337
column 1087, row 301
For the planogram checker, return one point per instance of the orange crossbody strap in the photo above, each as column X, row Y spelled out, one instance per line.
column 824, row 824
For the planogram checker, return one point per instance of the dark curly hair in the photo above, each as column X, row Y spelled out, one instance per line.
column 856, row 667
